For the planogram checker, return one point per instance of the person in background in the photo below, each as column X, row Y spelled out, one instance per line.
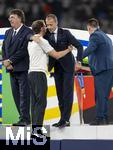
column 100, row 54
column 16, row 61
column 38, row 54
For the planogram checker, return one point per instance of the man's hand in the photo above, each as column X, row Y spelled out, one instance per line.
column 70, row 47
column 78, row 65
column 36, row 38
column 6, row 63
column 10, row 67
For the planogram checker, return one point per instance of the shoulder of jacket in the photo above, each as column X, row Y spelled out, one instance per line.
column 65, row 31
column 96, row 33
column 8, row 30
column 26, row 27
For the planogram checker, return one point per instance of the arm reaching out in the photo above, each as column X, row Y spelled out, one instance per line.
column 58, row 55
column 48, row 49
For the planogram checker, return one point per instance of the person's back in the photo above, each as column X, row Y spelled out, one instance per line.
column 38, row 58
column 100, row 54
column 106, row 43
column 102, row 58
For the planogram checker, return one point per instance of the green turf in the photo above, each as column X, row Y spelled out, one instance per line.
column 10, row 114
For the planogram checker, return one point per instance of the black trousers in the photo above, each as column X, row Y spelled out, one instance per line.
column 64, row 82
column 20, row 91
column 38, row 94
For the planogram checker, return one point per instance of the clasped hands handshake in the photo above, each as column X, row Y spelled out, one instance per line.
column 78, row 65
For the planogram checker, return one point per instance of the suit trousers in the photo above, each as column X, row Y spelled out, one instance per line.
column 38, row 95
column 103, row 83
column 64, row 82
column 20, row 91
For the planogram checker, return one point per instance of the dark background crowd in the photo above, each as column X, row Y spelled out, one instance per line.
column 70, row 13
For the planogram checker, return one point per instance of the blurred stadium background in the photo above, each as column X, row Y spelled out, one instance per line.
column 71, row 13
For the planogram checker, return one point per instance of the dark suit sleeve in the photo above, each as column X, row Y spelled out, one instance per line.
column 93, row 43
column 4, row 56
column 3, row 51
column 77, row 44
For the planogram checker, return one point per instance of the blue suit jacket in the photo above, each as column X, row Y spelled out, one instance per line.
column 64, row 39
column 99, row 52
column 16, row 49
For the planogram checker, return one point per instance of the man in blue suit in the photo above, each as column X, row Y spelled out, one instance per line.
column 64, row 68
column 100, row 55
column 16, row 61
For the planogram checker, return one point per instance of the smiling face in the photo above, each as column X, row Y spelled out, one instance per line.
column 15, row 21
column 51, row 24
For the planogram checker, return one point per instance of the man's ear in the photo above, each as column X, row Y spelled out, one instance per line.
column 98, row 27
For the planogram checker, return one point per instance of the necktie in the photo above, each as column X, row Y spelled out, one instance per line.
column 13, row 36
column 53, row 37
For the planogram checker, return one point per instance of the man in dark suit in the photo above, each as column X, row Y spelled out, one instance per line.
column 16, row 61
column 64, row 68
column 100, row 54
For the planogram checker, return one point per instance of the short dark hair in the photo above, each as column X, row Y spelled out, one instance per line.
column 19, row 13
column 93, row 23
column 37, row 25
column 53, row 16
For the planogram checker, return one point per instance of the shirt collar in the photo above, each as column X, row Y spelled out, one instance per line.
column 18, row 29
column 55, row 32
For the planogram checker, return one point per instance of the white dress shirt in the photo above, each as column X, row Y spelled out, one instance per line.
column 55, row 34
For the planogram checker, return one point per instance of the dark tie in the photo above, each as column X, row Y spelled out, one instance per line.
column 53, row 37
column 13, row 36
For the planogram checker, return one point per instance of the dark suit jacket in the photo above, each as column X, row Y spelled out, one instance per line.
column 100, row 52
column 64, row 39
column 16, row 49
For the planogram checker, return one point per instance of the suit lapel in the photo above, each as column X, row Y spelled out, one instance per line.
column 17, row 35
column 20, row 31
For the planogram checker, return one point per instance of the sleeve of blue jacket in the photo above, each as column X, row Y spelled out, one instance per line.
column 93, row 44
column 76, row 44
